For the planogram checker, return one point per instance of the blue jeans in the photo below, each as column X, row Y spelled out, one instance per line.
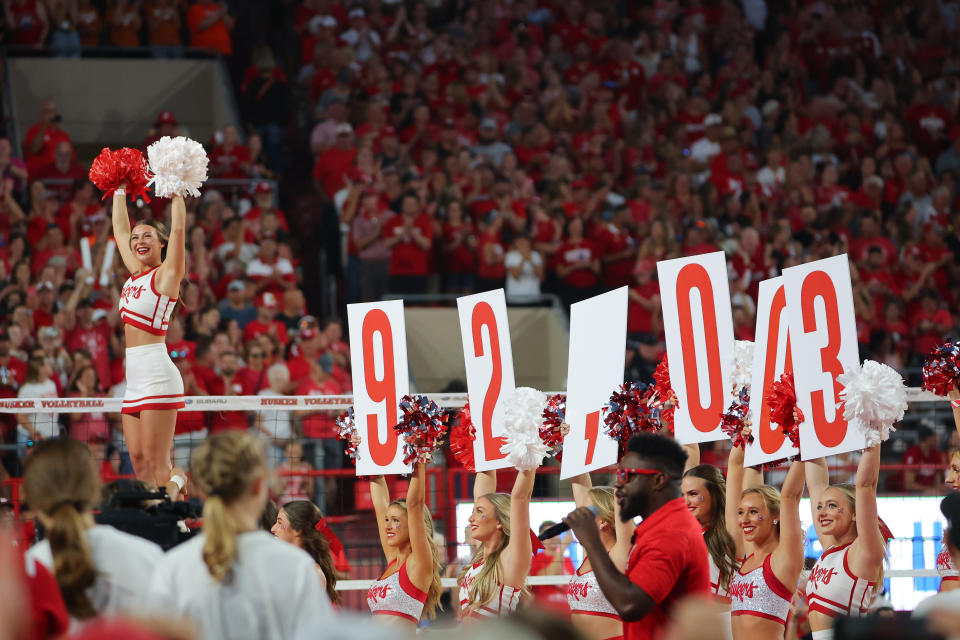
column 65, row 44
column 272, row 135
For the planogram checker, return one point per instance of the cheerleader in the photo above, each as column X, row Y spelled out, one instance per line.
column 765, row 527
column 849, row 573
column 301, row 524
column 949, row 576
column 590, row 610
column 156, row 260
column 410, row 588
column 491, row 586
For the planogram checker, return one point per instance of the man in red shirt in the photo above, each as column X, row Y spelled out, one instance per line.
column 62, row 167
column 82, row 332
column 334, row 163
column 410, row 236
column 230, row 159
column 925, row 452
column 43, row 137
column 668, row 561
column 227, row 383
column 266, row 321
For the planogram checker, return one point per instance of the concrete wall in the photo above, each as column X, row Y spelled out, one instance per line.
column 435, row 350
column 106, row 102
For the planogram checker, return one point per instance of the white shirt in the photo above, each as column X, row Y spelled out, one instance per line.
column 528, row 284
column 271, row 593
column 278, row 421
column 257, row 269
column 45, row 423
column 704, row 149
column 124, row 564
column 948, row 601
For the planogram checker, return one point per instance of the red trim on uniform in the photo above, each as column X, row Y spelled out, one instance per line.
column 135, row 313
column 950, row 579
column 614, row 638
column 827, row 600
column 167, row 395
column 408, row 587
column 139, row 325
column 767, row 616
column 154, row 406
column 835, row 549
column 405, row 616
column 153, row 288
column 774, row 583
column 600, row 614
column 133, row 277
column 819, row 608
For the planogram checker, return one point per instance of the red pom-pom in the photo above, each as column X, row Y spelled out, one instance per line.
column 662, row 398
column 421, row 427
column 782, row 399
column 346, row 431
column 734, row 420
column 941, row 369
column 554, row 415
column 127, row 166
column 628, row 413
column 462, row 436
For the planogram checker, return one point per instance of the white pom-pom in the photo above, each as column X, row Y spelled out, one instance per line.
column 522, row 415
column 179, row 166
column 875, row 395
column 741, row 375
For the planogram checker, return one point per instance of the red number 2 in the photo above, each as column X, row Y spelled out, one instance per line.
column 380, row 390
column 483, row 316
column 593, row 430
column 819, row 285
column 694, row 276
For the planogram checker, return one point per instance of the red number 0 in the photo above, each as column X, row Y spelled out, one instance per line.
column 385, row 390
column 593, row 430
column 483, row 316
column 818, row 285
column 694, row 276
column 771, row 438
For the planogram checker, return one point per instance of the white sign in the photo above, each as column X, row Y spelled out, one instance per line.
column 771, row 357
column 378, row 344
column 698, row 325
column 598, row 344
column 823, row 339
column 488, row 359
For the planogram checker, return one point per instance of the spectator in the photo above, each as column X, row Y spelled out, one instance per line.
column 275, row 425
column 924, row 481
column 459, row 246
column 28, row 23
column 89, row 23
column 123, row 17
column 63, row 168
column 409, row 236
column 89, row 425
column 335, row 162
column 165, row 125
column 368, row 281
column 489, row 146
column 236, row 305
column 210, row 24
column 269, row 272
column 292, row 309
column 263, row 203
column 64, row 38
column 268, row 105
column 266, row 321
column 230, row 159
column 227, row 382
column 552, row 561
column 11, row 168
column 644, row 320
column 524, row 271
column 163, row 28
column 37, row 426
column 578, row 264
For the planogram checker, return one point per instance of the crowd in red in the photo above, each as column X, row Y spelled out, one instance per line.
column 548, row 147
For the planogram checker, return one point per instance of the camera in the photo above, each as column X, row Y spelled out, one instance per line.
column 133, row 507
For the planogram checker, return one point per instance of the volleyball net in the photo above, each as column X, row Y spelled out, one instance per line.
column 308, row 462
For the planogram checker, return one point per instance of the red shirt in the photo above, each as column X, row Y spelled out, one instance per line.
column 331, row 166
column 299, row 368
column 617, row 273
column 639, row 319
column 227, row 164
column 226, row 420
column 254, row 328
column 550, row 596
column 51, row 138
column 572, row 252
column 669, row 562
column 321, row 424
column 494, row 270
column 915, row 455
column 48, row 613
column 96, row 340
column 407, row 257
column 462, row 259
column 216, row 36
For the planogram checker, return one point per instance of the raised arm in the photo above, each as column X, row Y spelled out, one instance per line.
column 515, row 559
column 787, row 559
column 955, row 395
column 693, row 456
column 734, row 492
column 581, row 486
column 868, row 550
column 420, row 565
column 380, row 497
column 485, row 482
column 121, row 231
column 818, row 481
column 175, row 264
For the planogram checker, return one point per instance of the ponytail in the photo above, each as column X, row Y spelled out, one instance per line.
column 220, row 546
column 60, row 482
column 306, row 519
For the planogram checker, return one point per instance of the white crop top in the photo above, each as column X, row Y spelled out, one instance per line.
column 395, row 595
column 143, row 307
column 585, row 597
column 760, row 593
column 504, row 600
column 832, row 588
column 945, row 566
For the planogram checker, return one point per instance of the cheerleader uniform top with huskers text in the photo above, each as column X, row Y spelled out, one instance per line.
column 395, row 595
column 143, row 307
column 504, row 601
column 585, row 597
column 832, row 588
column 948, row 572
column 759, row 593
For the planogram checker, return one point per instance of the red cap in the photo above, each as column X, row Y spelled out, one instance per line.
column 165, row 117
column 263, row 187
column 268, row 300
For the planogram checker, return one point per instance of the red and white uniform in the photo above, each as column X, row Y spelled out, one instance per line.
column 143, row 307
column 153, row 380
column 832, row 588
column 395, row 595
column 504, row 600
column 759, row 593
column 719, row 593
column 585, row 597
column 948, row 572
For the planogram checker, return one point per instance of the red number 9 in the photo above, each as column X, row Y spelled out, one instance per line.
column 380, row 390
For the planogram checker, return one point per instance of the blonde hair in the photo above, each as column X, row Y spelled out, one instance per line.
column 432, row 604
column 224, row 467
column 60, row 481
column 850, row 492
column 771, row 498
column 603, row 500
column 485, row 585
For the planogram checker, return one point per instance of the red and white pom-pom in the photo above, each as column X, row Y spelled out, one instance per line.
column 179, row 166
column 875, row 396
column 784, row 412
column 554, row 415
column 462, row 436
column 662, row 398
column 734, row 420
column 741, row 374
column 628, row 413
column 347, row 431
column 941, row 369
column 421, row 426
column 522, row 415
column 126, row 166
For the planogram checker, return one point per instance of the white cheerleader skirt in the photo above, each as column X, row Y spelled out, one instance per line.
column 153, row 380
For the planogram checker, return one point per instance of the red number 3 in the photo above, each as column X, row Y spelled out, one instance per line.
column 380, row 389
column 819, row 285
